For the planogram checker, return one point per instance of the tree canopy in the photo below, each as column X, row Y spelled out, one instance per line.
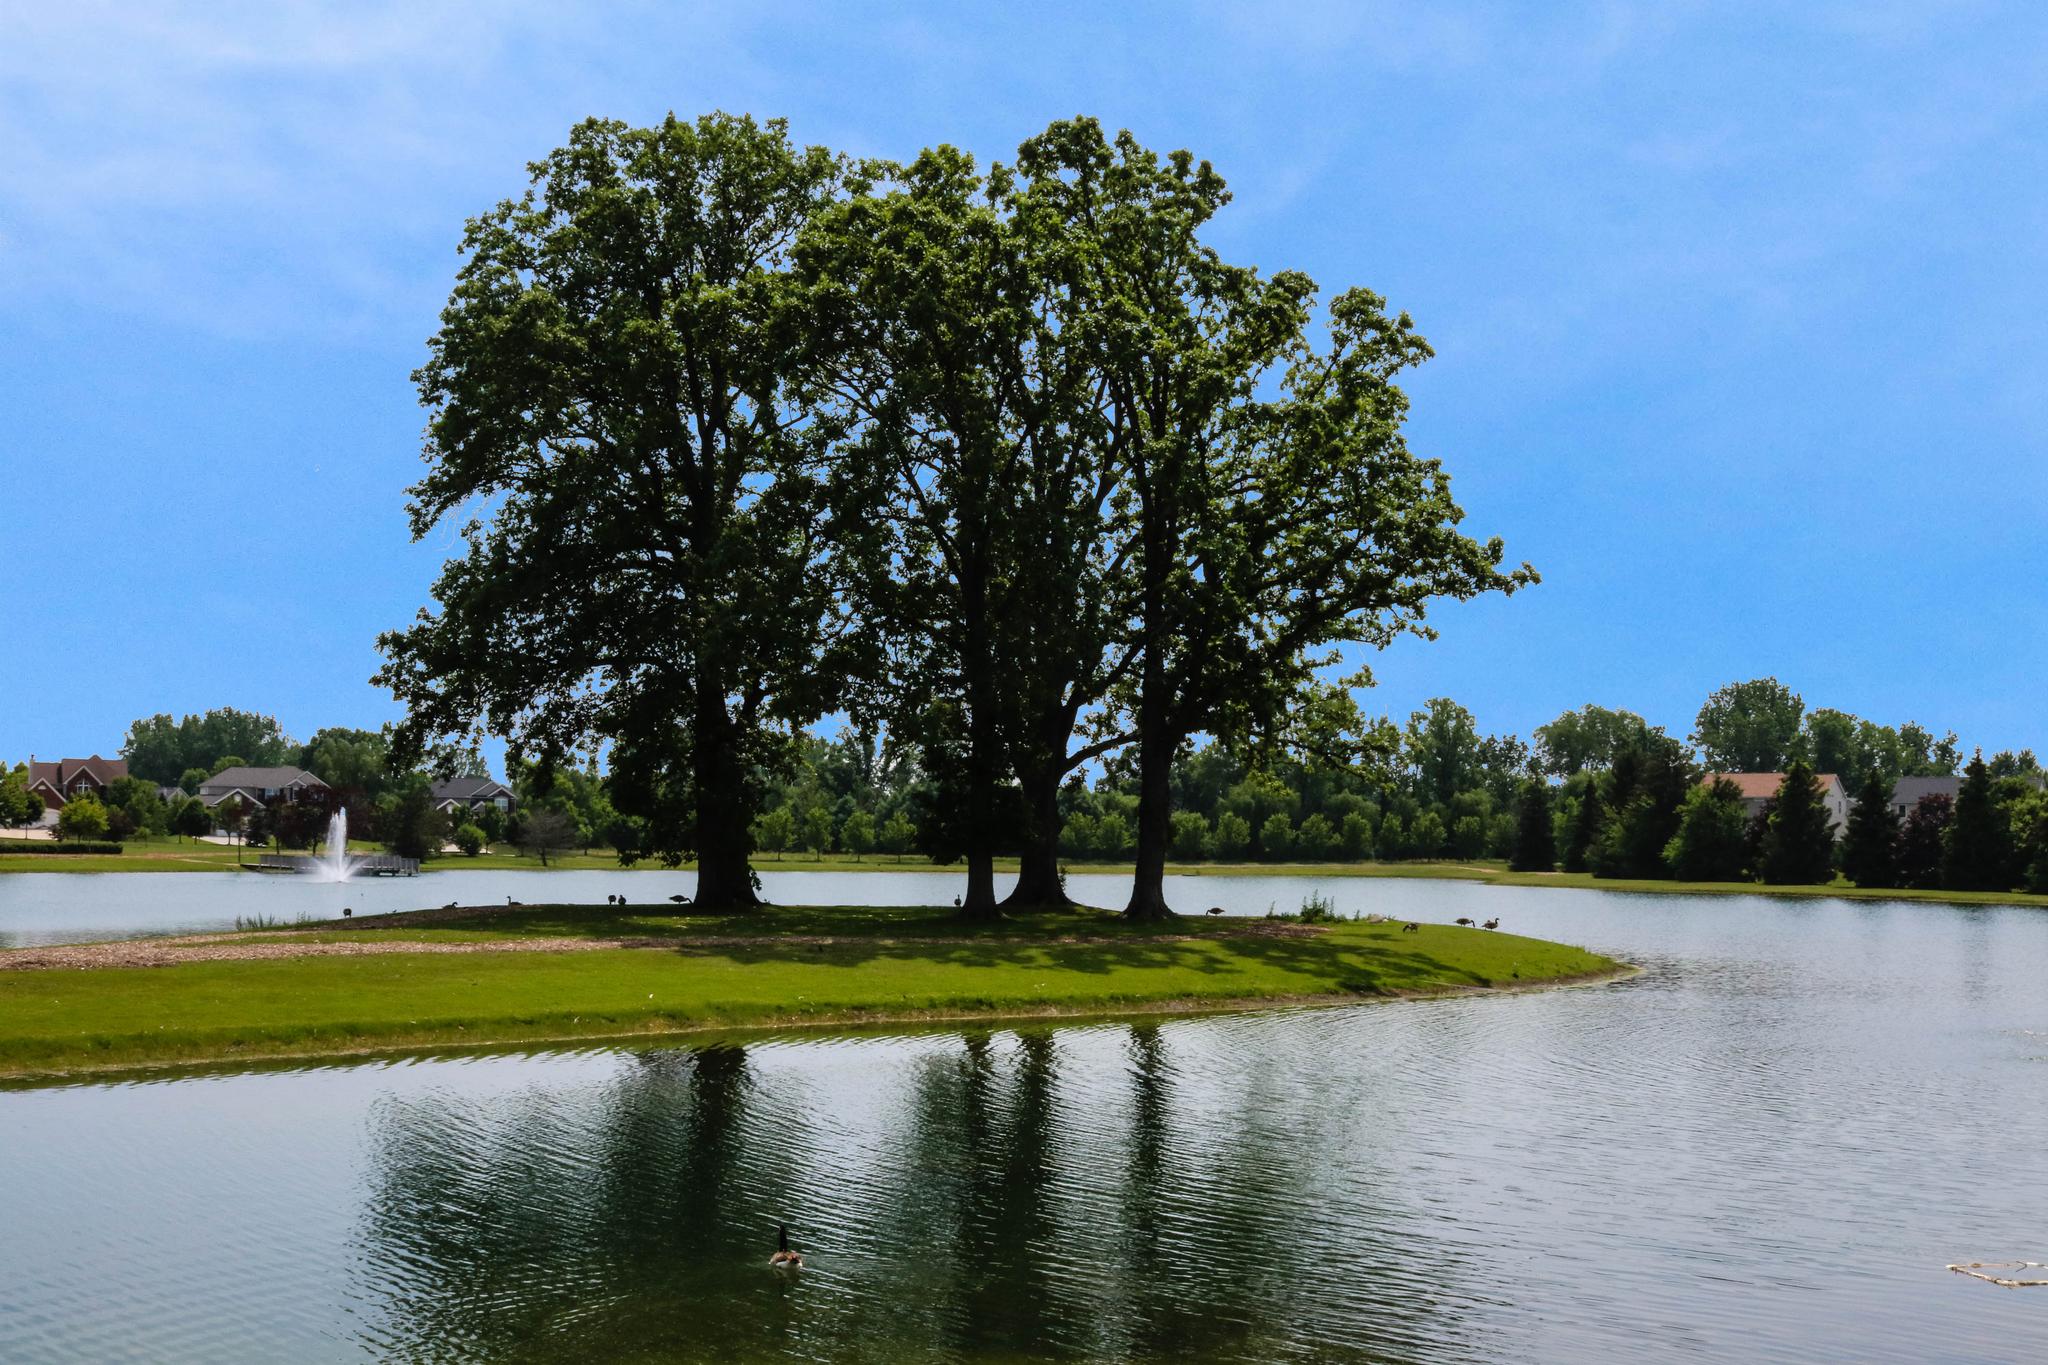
column 1749, row 727
column 612, row 409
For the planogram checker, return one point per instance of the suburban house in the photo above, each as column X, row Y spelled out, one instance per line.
column 1907, row 791
column 1757, row 788
column 259, row 787
column 471, row 793
column 66, row 778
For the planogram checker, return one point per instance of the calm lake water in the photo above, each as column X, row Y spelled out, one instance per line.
column 1764, row 1148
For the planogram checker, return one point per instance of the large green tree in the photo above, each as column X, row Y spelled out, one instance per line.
column 1268, row 508
column 952, row 351
column 1799, row 842
column 1749, row 727
column 1587, row 738
column 159, row 749
column 1712, row 840
column 613, row 430
column 1870, row 847
column 1535, row 841
column 1978, row 853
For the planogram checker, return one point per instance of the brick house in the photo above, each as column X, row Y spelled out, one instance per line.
column 67, row 778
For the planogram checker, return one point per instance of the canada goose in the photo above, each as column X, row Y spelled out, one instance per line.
column 1491, row 924
column 1466, row 922
column 1215, row 909
column 449, row 906
column 783, row 1256
column 611, row 900
column 510, row 901
column 956, row 902
column 346, row 912
column 1411, row 928
column 680, row 900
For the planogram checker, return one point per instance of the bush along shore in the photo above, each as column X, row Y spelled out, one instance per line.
column 470, row 976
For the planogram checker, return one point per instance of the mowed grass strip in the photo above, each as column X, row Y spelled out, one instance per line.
column 60, row 1020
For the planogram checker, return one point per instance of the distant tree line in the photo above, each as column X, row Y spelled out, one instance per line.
column 1599, row 791
column 1006, row 464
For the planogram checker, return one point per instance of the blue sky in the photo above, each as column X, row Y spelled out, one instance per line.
column 1739, row 310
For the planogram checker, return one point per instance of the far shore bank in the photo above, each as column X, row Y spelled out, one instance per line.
column 533, row 975
column 163, row 856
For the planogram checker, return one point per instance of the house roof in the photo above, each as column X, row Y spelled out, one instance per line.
column 1764, row 786
column 59, row 774
column 259, row 779
column 1907, row 791
column 470, row 789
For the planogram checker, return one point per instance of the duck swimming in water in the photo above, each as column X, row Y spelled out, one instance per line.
column 784, row 1257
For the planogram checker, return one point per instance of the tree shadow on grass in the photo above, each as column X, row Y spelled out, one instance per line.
column 1319, row 963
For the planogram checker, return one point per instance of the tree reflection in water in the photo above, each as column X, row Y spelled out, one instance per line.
column 987, row 1195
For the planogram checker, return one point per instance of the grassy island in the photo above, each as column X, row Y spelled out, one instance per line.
column 541, row 973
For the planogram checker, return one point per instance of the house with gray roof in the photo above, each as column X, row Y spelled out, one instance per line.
column 260, row 787
column 1907, row 791
column 471, row 793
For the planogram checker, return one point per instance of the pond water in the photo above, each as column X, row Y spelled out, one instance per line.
column 38, row 908
column 1765, row 1147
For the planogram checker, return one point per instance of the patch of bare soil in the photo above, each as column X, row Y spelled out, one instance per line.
column 169, row 952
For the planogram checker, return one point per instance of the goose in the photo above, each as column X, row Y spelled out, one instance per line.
column 449, row 906
column 784, row 1257
column 1464, row 921
column 956, row 902
column 611, row 900
column 1491, row 924
column 346, row 911
column 1215, row 909
column 680, row 900
column 1411, row 928
column 510, row 901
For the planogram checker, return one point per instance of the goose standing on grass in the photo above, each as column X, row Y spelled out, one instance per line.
column 1464, row 921
column 1493, row 923
column 680, row 900
column 510, row 901
column 784, row 1258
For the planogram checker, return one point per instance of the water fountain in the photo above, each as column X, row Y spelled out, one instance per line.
column 333, row 863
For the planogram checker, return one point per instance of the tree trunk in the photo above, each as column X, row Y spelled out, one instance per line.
column 1038, row 869
column 1156, row 744
column 1155, row 823
column 724, row 821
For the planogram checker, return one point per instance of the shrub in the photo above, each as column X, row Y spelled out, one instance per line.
column 1315, row 841
column 1712, row 843
column 59, row 846
column 469, row 839
column 1354, row 836
column 1190, row 836
column 1319, row 909
column 1276, row 837
column 83, row 818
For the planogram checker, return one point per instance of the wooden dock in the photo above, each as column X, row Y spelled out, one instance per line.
column 359, row 864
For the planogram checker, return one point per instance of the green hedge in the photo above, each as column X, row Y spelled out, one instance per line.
column 56, row 846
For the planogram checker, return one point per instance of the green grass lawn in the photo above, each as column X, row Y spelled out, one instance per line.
column 770, row 969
